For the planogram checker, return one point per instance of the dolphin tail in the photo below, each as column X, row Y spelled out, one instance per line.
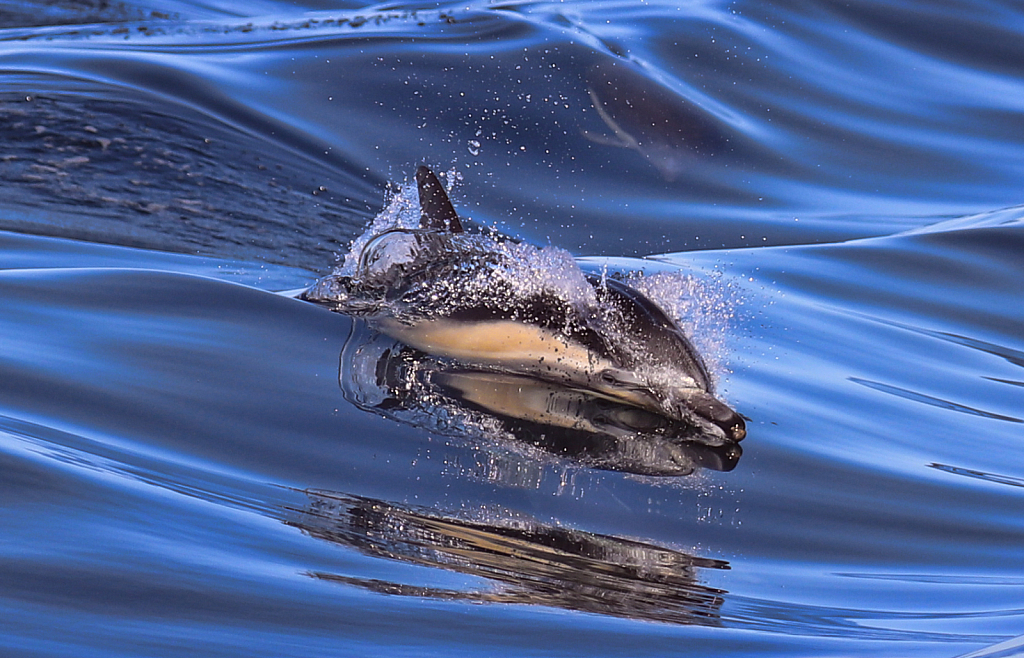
column 436, row 210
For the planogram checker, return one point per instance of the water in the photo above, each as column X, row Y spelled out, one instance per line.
column 183, row 475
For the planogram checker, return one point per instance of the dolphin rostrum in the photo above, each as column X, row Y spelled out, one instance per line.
column 467, row 297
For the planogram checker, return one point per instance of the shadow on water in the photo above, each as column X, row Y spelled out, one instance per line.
column 529, row 562
column 381, row 375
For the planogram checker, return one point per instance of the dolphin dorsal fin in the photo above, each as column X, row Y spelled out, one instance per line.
column 436, row 210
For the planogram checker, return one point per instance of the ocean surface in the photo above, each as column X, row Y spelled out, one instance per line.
column 183, row 471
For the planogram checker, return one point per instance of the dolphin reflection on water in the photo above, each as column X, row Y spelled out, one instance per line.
column 493, row 316
column 531, row 563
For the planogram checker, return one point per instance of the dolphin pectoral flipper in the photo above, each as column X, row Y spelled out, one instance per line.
column 436, row 209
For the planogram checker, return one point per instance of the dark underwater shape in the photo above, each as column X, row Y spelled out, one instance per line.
column 437, row 290
column 642, row 115
column 531, row 563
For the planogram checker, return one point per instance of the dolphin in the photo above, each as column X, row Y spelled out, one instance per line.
column 414, row 285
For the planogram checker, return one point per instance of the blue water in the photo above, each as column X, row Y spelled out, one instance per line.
column 181, row 473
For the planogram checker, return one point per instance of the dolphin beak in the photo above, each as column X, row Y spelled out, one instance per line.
column 709, row 408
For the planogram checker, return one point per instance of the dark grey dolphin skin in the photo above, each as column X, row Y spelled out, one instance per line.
column 606, row 350
column 665, row 344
